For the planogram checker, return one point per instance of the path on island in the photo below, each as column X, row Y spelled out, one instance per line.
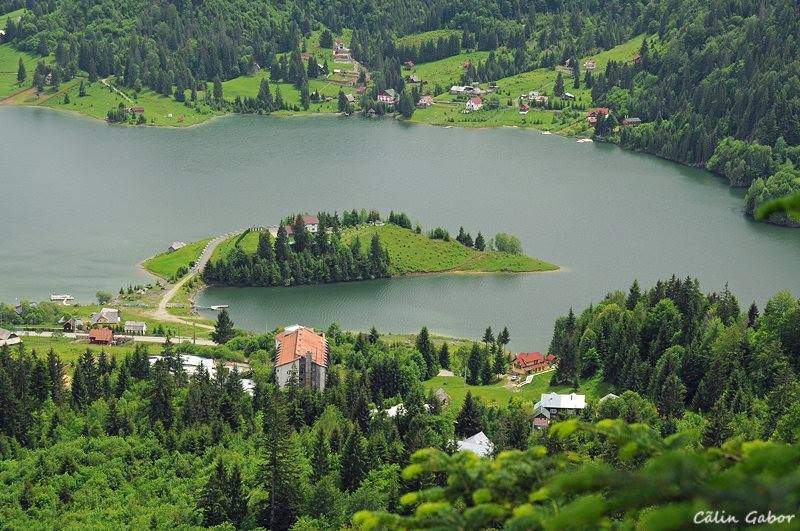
column 161, row 312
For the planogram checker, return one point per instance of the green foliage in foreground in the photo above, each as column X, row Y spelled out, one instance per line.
column 167, row 264
column 657, row 484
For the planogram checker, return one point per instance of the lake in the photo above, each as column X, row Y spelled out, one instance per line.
column 84, row 202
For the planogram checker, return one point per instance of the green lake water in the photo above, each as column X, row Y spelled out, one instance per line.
column 84, row 202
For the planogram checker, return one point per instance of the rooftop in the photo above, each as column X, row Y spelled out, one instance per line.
column 295, row 341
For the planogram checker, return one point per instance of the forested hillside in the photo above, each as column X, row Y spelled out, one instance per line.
column 127, row 441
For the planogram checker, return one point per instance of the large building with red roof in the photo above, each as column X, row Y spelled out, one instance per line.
column 302, row 354
column 530, row 362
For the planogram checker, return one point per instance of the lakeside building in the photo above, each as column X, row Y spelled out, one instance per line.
column 174, row 246
column 631, row 121
column 302, row 354
column 425, row 101
column 388, row 96
column 192, row 364
column 594, row 114
column 474, row 104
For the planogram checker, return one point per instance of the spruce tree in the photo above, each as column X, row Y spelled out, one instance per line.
column 281, row 472
column 213, row 500
column 223, row 330
column 22, row 74
column 354, row 460
column 480, row 243
column 425, row 347
column 320, row 459
column 470, row 419
column 444, row 356
column 237, row 501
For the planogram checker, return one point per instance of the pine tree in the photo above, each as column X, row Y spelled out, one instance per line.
column 504, row 337
column 320, row 459
column 217, row 89
column 474, row 365
column 426, row 348
column 281, row 467
column 444, row 356
column 480, row 243
column 224, row 330
column 354, row 460
column 213, row 500
column 160, row 396
column 488, row 336
column 237, row 501
column 558, row 90
column 22, row 74
column 470, row 419
column 57, row 374
column 634, row 295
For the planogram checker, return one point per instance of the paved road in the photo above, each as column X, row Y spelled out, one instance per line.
column 137, row 339
column 161, row 312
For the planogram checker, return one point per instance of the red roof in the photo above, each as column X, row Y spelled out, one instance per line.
column 101, row 335
column 533, row 359
column 599, row 111
column 311, row 220
column 295, row 343
column 476, row 100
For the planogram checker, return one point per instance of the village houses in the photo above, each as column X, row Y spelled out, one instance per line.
column 101, row 336
column 302, row 354
column 425, row 101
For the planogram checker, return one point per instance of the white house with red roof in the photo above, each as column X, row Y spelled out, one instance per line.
column 388, row 96
column 474, row 104
column 302, row 354
column 594, row 114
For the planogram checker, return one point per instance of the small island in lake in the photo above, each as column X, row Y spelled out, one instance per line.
column 325, row 248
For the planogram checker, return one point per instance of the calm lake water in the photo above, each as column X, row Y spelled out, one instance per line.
column 84, row 202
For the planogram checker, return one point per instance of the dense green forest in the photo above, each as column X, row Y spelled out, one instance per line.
column 106, row 442
column 308, row 258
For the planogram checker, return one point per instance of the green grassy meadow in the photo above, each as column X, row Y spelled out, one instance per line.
column 500, row 395
column 166, row 264
column 416, row 253
column 447, row 72
column 9, row 63
column 417, row 39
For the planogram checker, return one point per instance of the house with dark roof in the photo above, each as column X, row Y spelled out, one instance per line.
column 135, row 327
column 301, row 354
column 106, row 316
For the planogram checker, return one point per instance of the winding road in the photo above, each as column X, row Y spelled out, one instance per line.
column 161, row 312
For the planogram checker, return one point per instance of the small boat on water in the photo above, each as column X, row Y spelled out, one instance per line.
column 546, row 133
column 585, row 141
column 61, row 297
column 219, row 306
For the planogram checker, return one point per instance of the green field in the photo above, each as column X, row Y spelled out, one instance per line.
column 447, row 110
column 248, row 86
column 418, row 38
column 416, row 253
column 158, row 110
column 499, row 394
column 14, row 15
column 9, row 63
column 69, row 350
column 166, row 264
column 447, row 72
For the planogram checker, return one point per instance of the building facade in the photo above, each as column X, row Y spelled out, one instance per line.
column 301, row 354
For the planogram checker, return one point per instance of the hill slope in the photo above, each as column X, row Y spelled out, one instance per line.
column 410, row 252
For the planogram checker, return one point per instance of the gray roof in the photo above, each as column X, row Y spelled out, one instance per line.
column 477, row 444
column 110, row 315
column 557, row 401
column 539, row 410
column 6, row 334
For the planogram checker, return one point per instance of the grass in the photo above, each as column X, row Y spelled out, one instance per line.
column 448, row 111
column 248, row 86
column 416, row 253
column 247, row 241
column 417, row 39
column 15, row 15
column 498, row 394
column 9, row 63
column 158, row 110
column 447, row 72
column 166, row 264
column 69, row 350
